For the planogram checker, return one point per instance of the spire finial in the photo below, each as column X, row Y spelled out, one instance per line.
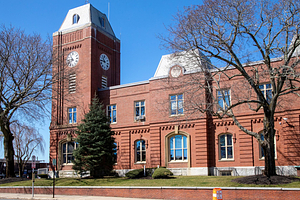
column 86, row 1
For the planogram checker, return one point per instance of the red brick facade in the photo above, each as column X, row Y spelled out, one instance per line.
column 202, row 132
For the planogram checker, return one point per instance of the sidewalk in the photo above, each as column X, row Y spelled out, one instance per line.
column 60, row 197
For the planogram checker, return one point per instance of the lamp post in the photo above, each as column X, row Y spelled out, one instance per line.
column 33, row 176
column 53, row 169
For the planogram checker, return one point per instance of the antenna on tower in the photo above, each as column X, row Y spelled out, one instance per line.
column 87, row 1
column 108, row 11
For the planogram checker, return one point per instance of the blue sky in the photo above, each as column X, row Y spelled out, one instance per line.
column 137, row 23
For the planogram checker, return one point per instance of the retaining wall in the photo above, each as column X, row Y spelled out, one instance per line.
column 189, row 193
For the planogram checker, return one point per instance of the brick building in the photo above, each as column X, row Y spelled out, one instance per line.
column 153, row 120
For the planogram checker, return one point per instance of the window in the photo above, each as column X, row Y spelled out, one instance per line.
column 261, row 151
column 266, row 89
column 226, row 173
column 139, row 110
column 112, row 113
column 178, row 148
column 223, row 97
column 140, row 151
column 225, row 146
column 104, row 82
column 67, row 152
column 115, row 158
column 176, row 102
column 72, row 115
column 75, row 18
column 101, row 19
column 72, row 83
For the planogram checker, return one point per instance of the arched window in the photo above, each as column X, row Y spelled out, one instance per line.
column 261, row 151
column 140, row 151
column 67, row 152
column 178, row 148
column 225, row 147
column 75, row 18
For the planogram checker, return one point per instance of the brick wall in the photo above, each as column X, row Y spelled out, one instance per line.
column 188, row 193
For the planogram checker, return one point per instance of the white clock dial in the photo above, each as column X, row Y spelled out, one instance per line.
column 104, row 61
column 175, row 72
column 72, row 59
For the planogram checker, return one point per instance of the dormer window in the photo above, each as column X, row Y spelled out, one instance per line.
column 75, row 18
column 101, row 21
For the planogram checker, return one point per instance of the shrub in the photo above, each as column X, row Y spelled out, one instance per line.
column 136, row 173
column 162, row 173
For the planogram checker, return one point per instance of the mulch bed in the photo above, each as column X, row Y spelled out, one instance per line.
column 264, row 180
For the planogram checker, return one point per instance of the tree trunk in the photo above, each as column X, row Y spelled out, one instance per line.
column 9, row 154
column 21, row 167
column 268, row 145
column 8, row 147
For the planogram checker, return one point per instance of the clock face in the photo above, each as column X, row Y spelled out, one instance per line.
column 72, row 59
column 175, row 72
column 104, row 61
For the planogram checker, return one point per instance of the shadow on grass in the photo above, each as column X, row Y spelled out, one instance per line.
column 264, row 180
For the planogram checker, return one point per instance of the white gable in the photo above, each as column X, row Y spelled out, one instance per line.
column 88, row 15
column 189, row 61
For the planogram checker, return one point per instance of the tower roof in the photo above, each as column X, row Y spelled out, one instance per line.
column 86, row 15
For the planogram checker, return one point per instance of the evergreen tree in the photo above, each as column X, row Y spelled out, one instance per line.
column 96, row 149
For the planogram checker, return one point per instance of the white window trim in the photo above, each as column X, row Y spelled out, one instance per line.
column 264, row 90
column 77, row 19
column 219, row 108
column 167, row 148
column 172, row 115
column 135, row 151
column 260, row 149
column 111, row 116
column 62, row 153
column 143, row 116
column 183, row 160
column 72, row 115
column 219, row 145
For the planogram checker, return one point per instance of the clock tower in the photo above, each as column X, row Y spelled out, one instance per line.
column 86, row 58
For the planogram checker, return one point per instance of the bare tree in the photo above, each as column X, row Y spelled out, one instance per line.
column 231, row 33
column 25, row 82
column 27, row 140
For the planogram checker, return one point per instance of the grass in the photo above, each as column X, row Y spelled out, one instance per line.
column 185, row 181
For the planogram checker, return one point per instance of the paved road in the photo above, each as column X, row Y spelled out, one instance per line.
column 18, row 196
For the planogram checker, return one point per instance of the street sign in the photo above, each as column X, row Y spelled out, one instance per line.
column 33, row 165
column 33, row 162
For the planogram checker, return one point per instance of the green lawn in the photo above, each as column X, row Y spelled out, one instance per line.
column 193, row 181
